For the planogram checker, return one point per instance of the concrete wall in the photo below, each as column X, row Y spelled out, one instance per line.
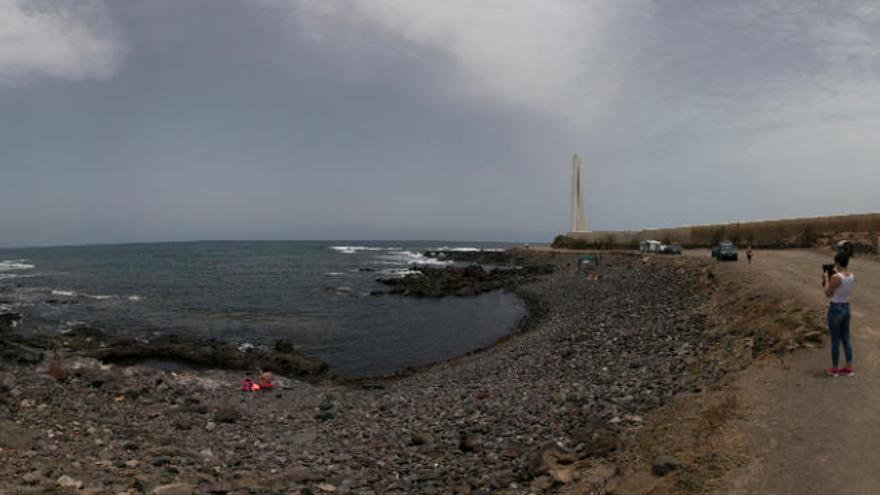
column 766, row 233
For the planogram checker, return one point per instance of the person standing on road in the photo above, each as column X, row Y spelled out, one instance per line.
column 749, row 254
column 839, row 288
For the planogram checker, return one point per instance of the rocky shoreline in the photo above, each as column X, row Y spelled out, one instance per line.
column 461, row 281
column 543, row 411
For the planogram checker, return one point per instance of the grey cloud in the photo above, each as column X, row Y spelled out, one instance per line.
column 279, row 119
column 62, row 40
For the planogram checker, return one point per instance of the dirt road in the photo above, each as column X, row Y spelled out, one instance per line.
column 805, row 432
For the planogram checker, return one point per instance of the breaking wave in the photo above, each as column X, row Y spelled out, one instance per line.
column 400, row 272
column 10, row 265
column 355, row 249
column 468, row 249
column 97, row 297
column 409, row 258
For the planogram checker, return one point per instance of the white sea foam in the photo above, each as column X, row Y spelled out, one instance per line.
column 245, row 347
column 97, row 297
column 355, row 249
column 10, row 265
column 20, row 275
column 400, row 272
column 410, row 258
column 334, row 274
column 467, row 249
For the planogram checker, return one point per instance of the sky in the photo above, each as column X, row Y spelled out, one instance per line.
column 170, row 120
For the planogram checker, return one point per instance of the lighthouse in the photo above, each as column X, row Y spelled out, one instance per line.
column 578, row 217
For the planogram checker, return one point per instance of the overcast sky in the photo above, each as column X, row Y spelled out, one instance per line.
column 179, row 120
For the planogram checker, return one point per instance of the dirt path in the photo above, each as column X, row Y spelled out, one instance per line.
column 807, row 433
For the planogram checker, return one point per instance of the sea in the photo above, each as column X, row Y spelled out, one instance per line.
column 316, row 295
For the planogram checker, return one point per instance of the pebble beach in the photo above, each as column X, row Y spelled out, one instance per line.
column 541, row 411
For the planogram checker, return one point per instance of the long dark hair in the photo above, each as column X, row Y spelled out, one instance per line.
column 841, row 259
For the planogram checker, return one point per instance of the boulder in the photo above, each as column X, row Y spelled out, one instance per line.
column 595, row 441
column 69, row 482
column 664, row 464
column 468, row 442
column 227, row 413
column 173, row 489
column 421, row 439
column 549, row 459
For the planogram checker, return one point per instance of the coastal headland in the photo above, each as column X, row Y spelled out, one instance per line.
column 609, row 374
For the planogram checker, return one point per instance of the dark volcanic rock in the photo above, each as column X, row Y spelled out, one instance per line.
column 664, row 465
column 17, row 349
column 461, row 281
column 482, row 257
column 595, row 441
column 227, row 413
column 468, row 442
column 211, row 353
column 7, row 318
column 421, row 439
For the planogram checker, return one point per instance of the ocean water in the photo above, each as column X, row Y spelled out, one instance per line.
column 314, row 294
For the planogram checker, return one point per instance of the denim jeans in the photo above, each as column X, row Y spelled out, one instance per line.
column 838, row 325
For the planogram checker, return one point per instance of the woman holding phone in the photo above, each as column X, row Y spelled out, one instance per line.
column 839, row 287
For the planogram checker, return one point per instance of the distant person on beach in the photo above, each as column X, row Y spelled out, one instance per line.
column 749, row 254
column 839, row 288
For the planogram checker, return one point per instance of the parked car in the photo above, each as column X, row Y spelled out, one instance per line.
column 726, row 250
column 670, row 249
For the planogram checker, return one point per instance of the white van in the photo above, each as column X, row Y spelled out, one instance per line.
column 650, row 246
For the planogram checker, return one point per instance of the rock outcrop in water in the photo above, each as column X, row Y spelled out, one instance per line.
column 508, row 257
column 91, row 342
column 461, row 281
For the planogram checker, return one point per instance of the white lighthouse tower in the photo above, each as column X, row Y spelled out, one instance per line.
column 578, row 217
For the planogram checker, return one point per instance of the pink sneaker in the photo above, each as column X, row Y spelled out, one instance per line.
column 832, row 372
column 846, row 371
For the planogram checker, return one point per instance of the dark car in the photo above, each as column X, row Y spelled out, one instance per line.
column 670, row 249
column 726, row 250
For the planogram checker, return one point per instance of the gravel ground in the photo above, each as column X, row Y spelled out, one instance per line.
column 533, row 414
